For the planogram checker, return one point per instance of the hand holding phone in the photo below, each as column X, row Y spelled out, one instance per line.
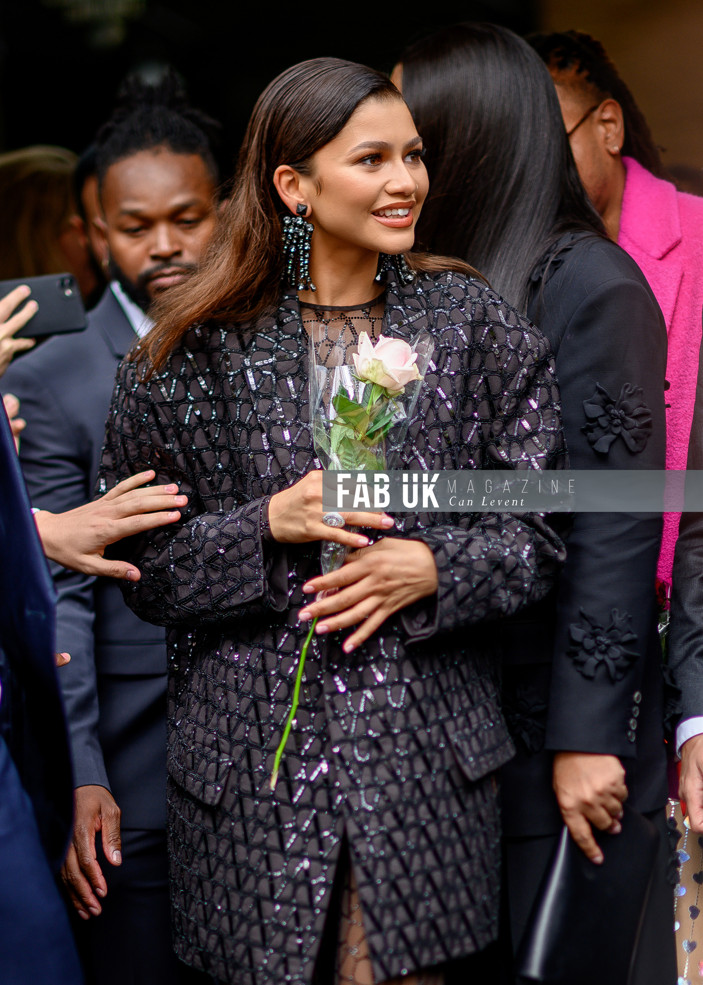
column 11, row 321
column 59, row 304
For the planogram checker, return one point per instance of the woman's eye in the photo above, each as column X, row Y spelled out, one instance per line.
column 416, row 155
column 371, row 159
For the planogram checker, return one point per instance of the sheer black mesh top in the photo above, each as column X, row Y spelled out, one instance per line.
column 394, row 744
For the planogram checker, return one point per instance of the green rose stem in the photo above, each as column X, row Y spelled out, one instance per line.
column 294, row 705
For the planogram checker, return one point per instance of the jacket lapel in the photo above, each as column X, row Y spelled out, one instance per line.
column 111, row 321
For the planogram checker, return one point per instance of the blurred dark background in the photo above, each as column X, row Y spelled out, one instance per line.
column 61, row 61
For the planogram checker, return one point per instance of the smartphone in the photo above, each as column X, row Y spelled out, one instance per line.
column 60, row 304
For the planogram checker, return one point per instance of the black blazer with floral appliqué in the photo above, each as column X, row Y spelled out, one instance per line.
column 396, row 745
column 584, row 667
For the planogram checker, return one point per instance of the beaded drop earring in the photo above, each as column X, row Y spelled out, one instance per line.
column 297, row 233
column 397, row 263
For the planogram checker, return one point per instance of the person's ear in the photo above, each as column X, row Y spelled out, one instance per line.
column 101, row 247
column 291, row 187
column 611, row 125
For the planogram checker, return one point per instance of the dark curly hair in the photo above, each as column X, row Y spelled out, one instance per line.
column 156, row 114
column 565, row 50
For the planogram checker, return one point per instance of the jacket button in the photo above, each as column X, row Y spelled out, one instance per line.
column 633, row 724
column 631, row 736
column 637, row 697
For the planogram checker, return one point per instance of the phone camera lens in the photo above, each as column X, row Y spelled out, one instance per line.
column 67, row 286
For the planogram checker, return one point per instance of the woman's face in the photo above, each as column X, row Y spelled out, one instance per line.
column 367, row 185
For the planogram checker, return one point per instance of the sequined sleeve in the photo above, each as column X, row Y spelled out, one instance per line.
column 491, row 565
column 210, row 565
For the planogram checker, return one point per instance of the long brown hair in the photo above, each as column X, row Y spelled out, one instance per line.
column 300, row 111
column 36, row 204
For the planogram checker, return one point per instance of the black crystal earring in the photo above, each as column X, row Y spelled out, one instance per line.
column 297, row 233
column 398, row 264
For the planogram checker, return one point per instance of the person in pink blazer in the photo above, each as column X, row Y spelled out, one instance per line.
column 660, row 227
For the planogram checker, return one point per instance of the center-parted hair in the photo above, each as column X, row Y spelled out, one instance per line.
column 148, row 115
column 503, row 182
column 597, row 76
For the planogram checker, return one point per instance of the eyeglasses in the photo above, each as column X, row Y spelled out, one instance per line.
column 582, row 120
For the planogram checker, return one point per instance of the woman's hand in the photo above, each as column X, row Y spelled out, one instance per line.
column 77, row 539
column 590, row 790
column 9, row 324
column 295, row 516
column 372, row 584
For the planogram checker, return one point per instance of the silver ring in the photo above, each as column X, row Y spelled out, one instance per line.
column 333, row 519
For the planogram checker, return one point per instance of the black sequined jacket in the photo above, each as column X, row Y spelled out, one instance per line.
column 394, row 745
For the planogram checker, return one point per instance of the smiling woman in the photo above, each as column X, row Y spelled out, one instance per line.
column 376, row 856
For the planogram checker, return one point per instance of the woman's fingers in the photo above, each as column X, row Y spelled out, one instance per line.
column 131, row 482
column 10, row 301
column 141, row 501
column 141, row 522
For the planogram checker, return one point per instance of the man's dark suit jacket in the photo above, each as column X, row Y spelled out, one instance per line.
column 115, row 686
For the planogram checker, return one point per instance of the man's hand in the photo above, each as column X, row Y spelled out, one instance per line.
column 691, row 781
column 96, row 811
column 590, row 790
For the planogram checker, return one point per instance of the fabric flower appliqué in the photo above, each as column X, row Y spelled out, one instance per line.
column 628, row 418
column 526, row 714
column 594, row 645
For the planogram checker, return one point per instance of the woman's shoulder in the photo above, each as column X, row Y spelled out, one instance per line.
column 586, row 261
column 494, row 321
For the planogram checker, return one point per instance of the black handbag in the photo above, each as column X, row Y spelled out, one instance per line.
column 584, row 926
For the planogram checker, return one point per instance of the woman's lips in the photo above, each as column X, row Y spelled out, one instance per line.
column 396, row 221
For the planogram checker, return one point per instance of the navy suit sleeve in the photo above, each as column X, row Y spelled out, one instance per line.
column 611, row 368
column 685, row 653
column 55, row 455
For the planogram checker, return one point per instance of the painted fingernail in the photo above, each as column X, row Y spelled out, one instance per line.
column 362, row 541
column 171, row 488
column 303, row 615
column 615, row 828
column 348, row 647
column 117, row 858
column 597, row 859
column 181, row 500
column 173, row 514
column 387, row 521
column 308, row 587
column 322, row 628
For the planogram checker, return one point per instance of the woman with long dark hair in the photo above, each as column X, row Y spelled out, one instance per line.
column 376, row 856
column 582, row 669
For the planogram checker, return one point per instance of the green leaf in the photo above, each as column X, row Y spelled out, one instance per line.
column 351, row 413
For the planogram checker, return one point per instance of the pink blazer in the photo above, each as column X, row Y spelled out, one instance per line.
column 662, row 230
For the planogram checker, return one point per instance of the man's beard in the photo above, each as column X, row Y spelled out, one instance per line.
column 137, row 290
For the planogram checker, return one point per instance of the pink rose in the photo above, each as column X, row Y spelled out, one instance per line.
column 390, row 363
